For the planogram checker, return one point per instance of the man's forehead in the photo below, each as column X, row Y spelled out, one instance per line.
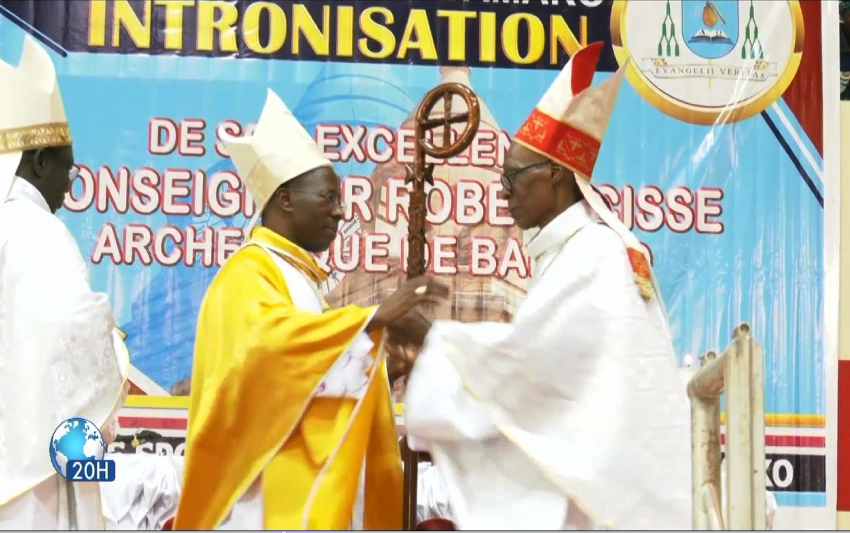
column 519, row 156
column 322, row 177
column 64, row 153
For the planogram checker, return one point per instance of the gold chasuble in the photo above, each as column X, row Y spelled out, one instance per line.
column 253, row 415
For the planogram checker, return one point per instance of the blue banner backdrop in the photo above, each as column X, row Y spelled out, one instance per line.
column 718, row 174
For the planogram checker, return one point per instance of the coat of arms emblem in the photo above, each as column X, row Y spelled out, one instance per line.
column 698, row 60
column 710, row 29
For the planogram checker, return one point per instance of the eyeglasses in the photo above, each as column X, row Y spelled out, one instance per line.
column 332, row 199
column 508, row 177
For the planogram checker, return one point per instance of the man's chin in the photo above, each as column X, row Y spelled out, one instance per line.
column 522, row 224
column 322, row 247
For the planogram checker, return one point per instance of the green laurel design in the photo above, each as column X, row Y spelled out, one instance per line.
column 668, row 42
column 752, row 48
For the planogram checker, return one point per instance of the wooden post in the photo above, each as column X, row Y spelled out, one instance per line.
column 416, row 238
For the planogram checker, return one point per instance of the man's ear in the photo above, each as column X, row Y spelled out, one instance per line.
column 284, row 198
column 559, row 173
column 39, row 162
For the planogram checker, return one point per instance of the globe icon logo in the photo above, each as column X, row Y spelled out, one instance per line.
column 75, row 439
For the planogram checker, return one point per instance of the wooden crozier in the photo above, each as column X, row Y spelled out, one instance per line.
column 420, row 174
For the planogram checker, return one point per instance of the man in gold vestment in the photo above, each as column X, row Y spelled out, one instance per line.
column 290, row 400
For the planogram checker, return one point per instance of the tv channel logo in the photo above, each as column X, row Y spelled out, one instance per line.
column 77, row 451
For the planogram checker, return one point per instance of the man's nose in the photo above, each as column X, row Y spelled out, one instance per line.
column 505, row 193
column 338, row 211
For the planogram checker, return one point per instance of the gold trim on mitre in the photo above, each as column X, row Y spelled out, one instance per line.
column 34, row 137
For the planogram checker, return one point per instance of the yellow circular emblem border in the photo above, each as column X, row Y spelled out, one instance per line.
column 699, row 115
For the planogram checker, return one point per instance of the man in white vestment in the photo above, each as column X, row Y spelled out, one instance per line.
column 573, row 416
column 60, row 356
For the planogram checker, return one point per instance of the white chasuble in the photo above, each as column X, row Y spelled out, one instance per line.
column 57, row 360
column 573, row 416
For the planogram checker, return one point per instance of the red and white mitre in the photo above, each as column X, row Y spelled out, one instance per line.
column 568, row 126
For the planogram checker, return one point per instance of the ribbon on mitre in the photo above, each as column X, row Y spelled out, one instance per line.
column 568, row 126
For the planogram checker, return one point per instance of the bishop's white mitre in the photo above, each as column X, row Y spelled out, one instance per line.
column 279, row 150
column 568, row 126
column 31, row 112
